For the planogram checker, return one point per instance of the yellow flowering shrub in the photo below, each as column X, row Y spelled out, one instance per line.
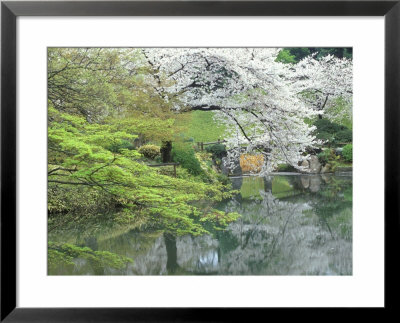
column 251, row 163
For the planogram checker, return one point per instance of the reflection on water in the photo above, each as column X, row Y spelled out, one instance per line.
column 290, row 225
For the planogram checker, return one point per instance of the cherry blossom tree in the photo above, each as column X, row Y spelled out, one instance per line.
column 264, row 103
column 321, row 81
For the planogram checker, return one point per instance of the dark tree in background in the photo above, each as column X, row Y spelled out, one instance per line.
column 296, row 54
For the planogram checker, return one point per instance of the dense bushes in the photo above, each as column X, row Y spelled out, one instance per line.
column 344, row 136
column 327, row 156
column 218, row 151
column 150, row 151
column 347, row 153
column 79, row 199
column 116, row 147
column 183, row 153
column 332, row 132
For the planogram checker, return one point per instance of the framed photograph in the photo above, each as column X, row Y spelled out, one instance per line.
column 186, row 160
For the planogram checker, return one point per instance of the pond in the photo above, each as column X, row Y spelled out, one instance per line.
column 291, row 224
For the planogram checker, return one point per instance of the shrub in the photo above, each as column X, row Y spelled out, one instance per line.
column 285, row 168
column 333, row 132
column 345, row 135
column 327, row 156
column 123, row 144
column 223, row 179
column 347, row 153
column 78, row 199
column 150, row 151
column 325, row 136
column 218, row 151
column 184, row 155
column 251, row 163
column 324, row 125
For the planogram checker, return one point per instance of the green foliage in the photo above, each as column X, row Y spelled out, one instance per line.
column 99, row 102
column 325, row 156
column 184, row 154
column 102, row 83
column 223, row 179
column 117, row 147
column 328, row 156
column 286, row 168
column 80, row 199
column 345, row 135
column 347, row 153
column 286, row 57
column 340, row 52
column 57, row 259
column 296, row 54
column 218, row 151
column 65, row 254
column 324, row 125
column 332, row 132
column 328, row 138
column 210, row 173
column 220, row 219
column 150, row 151
column 78, row 157
column 94, row 77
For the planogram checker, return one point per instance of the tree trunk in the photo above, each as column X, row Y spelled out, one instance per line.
column 165, row 150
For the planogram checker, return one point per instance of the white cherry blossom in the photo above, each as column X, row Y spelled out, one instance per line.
column 264, row 103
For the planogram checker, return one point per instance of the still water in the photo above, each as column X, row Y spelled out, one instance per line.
column 291, row 225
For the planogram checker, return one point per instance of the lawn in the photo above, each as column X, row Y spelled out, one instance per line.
column 203, row 128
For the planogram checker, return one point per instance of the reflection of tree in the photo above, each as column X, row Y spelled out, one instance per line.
column 273, row 236
column 258, row 234
column 332, row 210
column 282, row 236
column 170, row 245
column 330, row 200
column 303, row 233
column 328, row 195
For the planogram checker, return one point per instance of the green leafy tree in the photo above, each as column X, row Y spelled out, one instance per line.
column 100, row 100
column 296, row 54
column 285, row 56
column 79, row 157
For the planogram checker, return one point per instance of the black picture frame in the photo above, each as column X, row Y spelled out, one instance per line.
column 10, row 10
